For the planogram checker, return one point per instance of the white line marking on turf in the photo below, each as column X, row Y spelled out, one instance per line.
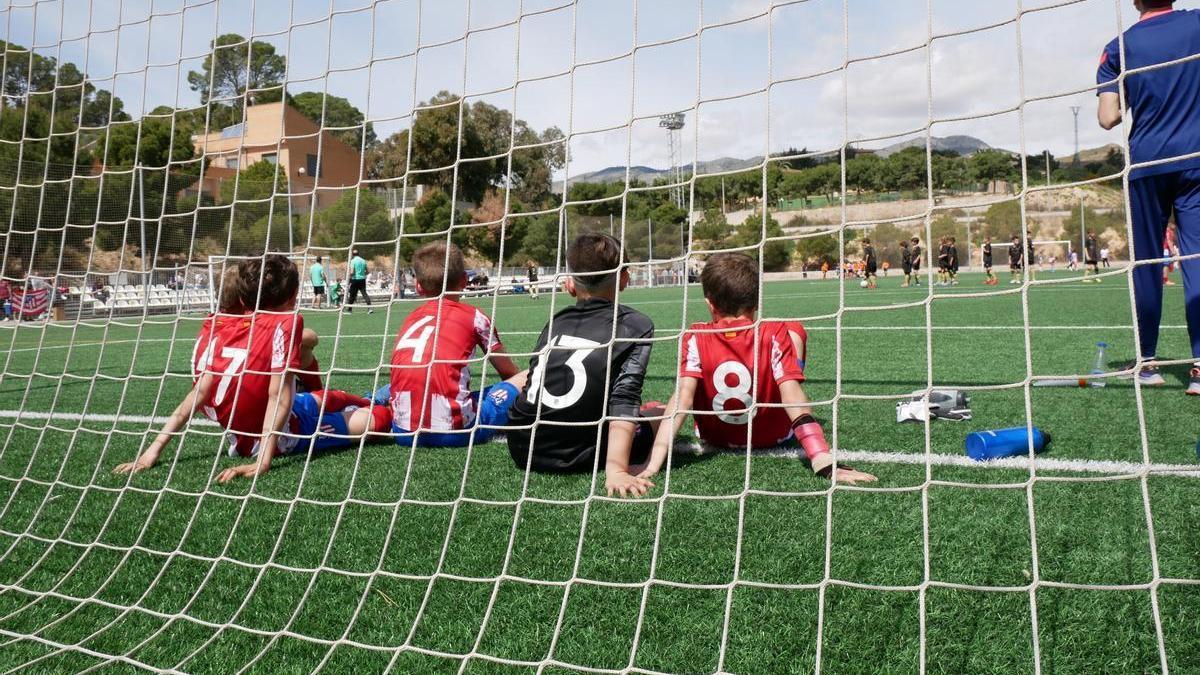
column 97, row 417
column 1041, row 463
column 811, row 329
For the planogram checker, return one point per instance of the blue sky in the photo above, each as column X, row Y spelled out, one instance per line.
column 757, row 78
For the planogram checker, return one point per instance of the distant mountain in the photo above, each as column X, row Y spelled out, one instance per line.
column 616, row 174
column 1093, row 154
column 962, row 145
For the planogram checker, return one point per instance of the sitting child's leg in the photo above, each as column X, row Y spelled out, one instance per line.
column 494, row 404
column 346, row 418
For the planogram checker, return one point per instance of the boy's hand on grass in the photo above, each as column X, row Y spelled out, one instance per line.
column 146, row 461
column 624, row 484
column 645, row 471
column 242, row 471
column 853, row 477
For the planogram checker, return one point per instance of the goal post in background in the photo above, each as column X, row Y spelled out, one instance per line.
column 147, row 144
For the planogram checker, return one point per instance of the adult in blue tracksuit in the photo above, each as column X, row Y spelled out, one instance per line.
column 1164, row 103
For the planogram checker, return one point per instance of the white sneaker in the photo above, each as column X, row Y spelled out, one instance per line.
column 370, row 311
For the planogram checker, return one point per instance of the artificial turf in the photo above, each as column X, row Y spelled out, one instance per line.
column 423, row 561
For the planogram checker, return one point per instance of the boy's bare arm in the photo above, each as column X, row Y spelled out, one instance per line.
column 617, row 479
column 179, row 417
column 676, row 411
column 794, row 399
column 279, row 408
column 504, row 365
column 812, row 438
column 1108, row 113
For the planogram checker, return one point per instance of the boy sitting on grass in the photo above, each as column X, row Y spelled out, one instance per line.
column 430, row 393
column 248, row 359
column 581, row 408
column 732, row 370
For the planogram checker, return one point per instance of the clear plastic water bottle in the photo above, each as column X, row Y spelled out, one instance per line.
column 1014, row 442
column 1099, row 365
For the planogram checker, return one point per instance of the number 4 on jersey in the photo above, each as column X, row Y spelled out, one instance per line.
column 417, row 343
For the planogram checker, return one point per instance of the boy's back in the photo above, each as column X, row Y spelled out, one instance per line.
column 576, row 383
column 731, row 378
column 242, row 353
column 430, row 375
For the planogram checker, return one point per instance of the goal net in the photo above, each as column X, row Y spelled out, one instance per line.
column 147, row 148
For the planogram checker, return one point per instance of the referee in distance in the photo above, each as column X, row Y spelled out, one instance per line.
column 1165, row 106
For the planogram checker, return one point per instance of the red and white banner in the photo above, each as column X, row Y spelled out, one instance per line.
column 29, row 303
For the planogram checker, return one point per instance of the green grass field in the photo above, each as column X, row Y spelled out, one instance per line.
column 449, row 560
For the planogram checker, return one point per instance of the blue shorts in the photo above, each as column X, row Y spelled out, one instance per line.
column 493, row 412
column 307, row 420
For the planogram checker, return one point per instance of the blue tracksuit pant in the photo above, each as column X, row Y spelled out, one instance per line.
column 1152, row 199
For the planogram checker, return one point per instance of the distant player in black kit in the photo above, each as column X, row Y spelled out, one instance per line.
column 532, row 271
column 1092, row 257
column 585, row 371
column 944, row 262
column 991, row 279
column 1029, row 254
column 870, row 263
column 953, row 261
column 906, row 263
column 916, row 261
column 1014, row 260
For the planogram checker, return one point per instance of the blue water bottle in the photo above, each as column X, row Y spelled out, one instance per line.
column 1014, row 442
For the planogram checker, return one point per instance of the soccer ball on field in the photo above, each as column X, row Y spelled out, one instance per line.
column 863, row 283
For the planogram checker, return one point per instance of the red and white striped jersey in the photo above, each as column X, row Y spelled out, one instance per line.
column 242, row 353
column 431, row 380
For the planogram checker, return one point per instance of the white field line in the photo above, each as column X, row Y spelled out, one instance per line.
column 811, row 329
column 1040, row 463
column 873, row 457
column 22, row 415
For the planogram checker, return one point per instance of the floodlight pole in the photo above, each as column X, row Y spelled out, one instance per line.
column 673, row 122
column 1047, row 168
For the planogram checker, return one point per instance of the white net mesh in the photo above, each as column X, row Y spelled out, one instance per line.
column 146, row 144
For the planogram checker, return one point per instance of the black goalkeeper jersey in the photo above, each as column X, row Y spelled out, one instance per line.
column 1093, row 249
column 576, row 383
column 987, row 255
column 906, row 257
column 1014, row 255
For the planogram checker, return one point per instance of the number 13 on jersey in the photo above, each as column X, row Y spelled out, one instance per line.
column 581, row 349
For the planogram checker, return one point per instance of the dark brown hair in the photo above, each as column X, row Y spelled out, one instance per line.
column 730, row 283
column 595, row 260
column 232, row 290
column 269, row 282
column 437, row 272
